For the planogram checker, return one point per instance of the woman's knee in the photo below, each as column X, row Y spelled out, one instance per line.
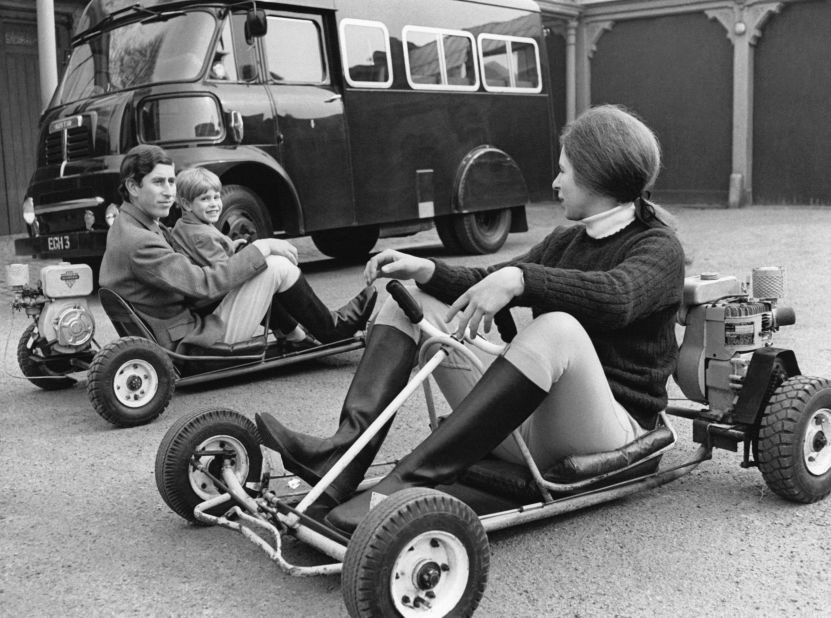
column 554, row 328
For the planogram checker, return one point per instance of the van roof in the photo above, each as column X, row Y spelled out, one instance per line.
column 98, row 11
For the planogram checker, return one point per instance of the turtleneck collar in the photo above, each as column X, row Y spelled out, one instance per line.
column 609, row 222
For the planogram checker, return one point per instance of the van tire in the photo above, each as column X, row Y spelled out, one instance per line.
column 350, row 243
column 244, row 214
column 445, row 226
column 482, row 232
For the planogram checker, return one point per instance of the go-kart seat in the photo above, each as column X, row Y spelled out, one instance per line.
column 516, row 482
column 129, row 323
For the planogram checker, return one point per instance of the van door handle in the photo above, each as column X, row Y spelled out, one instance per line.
column 333, row 98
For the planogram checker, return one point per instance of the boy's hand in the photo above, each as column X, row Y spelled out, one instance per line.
column 239, row 243
column 396, row 265
column 277, row 246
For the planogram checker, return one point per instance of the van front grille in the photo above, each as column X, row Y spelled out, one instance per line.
column 77, row 141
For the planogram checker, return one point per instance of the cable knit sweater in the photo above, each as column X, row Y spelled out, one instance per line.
column 625, row 290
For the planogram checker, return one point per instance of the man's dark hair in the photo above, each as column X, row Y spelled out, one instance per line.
column 138, row 162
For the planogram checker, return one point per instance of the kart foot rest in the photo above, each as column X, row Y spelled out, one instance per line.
column 580, row 467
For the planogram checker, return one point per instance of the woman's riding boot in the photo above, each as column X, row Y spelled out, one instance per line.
column 301, row 301
column 382, row 373
column 501, row 400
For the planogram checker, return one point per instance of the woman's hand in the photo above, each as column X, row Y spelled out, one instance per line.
column 277, row 246
column 396, row 265
column 484, row 299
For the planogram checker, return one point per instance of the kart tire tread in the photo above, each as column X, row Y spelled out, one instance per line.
column 380, row 536
column 781, row 435
column 101, row 374
column 176, row 448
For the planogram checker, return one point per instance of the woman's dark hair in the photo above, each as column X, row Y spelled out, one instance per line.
column 613, row 153
column 138, row 162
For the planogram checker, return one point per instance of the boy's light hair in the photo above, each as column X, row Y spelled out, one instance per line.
column 193, row 182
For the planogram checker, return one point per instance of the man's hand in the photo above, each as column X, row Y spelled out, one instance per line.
column 277, row 246
column 396, row 265
column 484, row 299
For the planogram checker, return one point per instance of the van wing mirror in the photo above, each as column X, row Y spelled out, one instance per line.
column 256, row 25
column 236, row 127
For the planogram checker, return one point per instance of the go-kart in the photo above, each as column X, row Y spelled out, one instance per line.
column 130, row 380
column 424, row 552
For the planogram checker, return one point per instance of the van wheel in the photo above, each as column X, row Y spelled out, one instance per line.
column 244, row 214
column 353, row 243
column 482, row 232
column 446, row 228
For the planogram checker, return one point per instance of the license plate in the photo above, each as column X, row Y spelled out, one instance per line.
column 58, row 243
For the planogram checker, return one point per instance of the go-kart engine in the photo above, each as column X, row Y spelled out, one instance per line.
column 724, row 326
column 57, row 302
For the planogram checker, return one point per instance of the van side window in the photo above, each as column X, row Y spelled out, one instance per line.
column 294, row 51
column 365, row 48
column 245, row 53
column 509, row 63
column 439, row 59
column 223, row 66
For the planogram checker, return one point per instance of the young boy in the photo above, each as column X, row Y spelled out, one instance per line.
column 198, row 192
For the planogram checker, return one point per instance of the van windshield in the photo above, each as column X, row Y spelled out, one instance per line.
column 137, row 54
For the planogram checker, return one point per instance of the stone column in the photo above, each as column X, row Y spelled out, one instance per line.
column 571, row 70
column 744, row 23
column 47, row 50
column 587, row 37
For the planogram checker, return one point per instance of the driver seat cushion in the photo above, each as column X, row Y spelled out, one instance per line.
column 242, row 348
column 516, row 481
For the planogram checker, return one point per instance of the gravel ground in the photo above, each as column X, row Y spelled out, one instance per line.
column 84, row 532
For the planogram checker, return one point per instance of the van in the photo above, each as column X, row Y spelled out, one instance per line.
column 343, row 120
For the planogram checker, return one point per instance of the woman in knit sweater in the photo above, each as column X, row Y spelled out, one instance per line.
column 588, row 374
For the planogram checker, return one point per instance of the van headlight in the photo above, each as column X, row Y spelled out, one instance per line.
column 29, row 210
column 110, row 214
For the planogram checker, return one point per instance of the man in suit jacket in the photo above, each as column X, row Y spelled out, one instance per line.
column 141, row 265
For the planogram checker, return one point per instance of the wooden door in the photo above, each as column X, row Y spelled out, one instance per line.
column 20, row 107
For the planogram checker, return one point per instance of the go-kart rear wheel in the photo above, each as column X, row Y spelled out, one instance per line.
column 131, row 381
column 795, row 440
column 187, row 461
column 420, row 552
column 48, row 376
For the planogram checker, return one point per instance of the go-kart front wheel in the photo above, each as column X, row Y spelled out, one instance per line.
column 131, row 381
column 419, row 552
column 193, row 453
column 795, row 440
